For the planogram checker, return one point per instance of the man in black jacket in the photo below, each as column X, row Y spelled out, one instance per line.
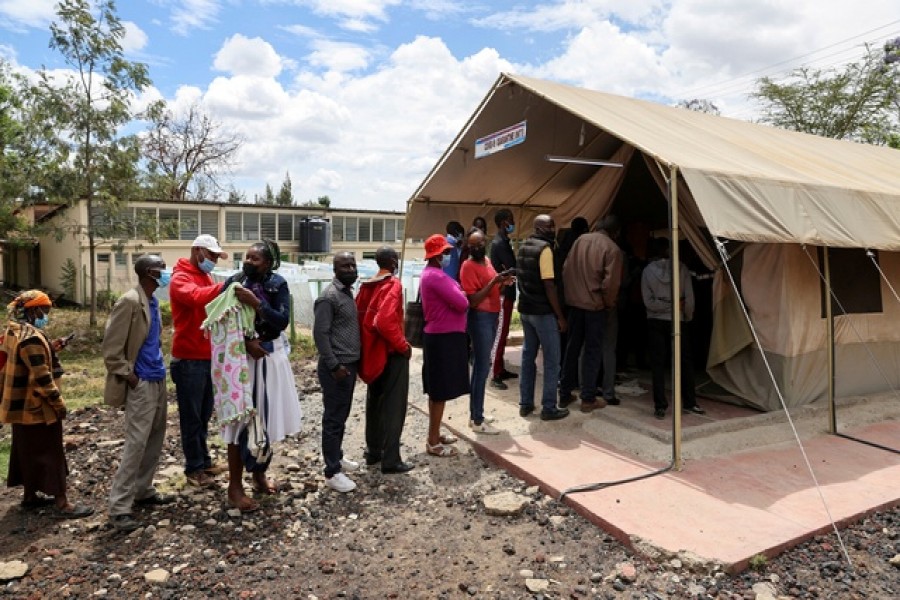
column 503, row 258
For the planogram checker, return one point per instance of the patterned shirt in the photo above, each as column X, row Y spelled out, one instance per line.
column 336, row 326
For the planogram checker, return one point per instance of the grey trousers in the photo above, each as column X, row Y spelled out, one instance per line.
column 145, row 430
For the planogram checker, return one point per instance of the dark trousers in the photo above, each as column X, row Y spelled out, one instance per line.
column 194, row 392
column 587, row 328
column 337, row 397
column 503, row 333
column 659, row 344
column 386, row 402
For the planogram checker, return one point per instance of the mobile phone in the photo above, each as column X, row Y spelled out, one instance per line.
column 510, row 271
column 69, row 338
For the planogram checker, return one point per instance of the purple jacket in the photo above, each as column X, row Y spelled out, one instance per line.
column 444, row 303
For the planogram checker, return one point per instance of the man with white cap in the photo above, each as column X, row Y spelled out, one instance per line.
column 191, row 289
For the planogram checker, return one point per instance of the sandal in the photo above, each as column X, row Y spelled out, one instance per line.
column 448, row 438
column 268, row 488
column 441, row 450
column 77, row 511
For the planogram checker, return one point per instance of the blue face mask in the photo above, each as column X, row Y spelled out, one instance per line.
column 164, row 279
column 510, row 228
column 445, row 260
column 207, row 265
column 42, row 321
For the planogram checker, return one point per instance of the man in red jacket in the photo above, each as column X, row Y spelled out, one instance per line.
column 384, row 365
column 190, row 290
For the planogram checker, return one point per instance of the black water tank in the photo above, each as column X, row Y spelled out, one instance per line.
column 315, row 235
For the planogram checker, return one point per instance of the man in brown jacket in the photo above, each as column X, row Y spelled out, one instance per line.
column 136, row 378
column 592, row 274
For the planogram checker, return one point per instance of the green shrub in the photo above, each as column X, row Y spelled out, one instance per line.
column 758, row 562
column 106, row 299
column 68, row 279
column 165, row 310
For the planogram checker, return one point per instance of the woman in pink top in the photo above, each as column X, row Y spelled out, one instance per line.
column 445, row 371
column 481, row 284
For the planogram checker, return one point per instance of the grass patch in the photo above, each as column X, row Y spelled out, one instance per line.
column 5, row 444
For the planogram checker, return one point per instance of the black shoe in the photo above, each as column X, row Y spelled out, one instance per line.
column 400, row 467
column 498, row 383
column 124, row 523
column 566, row 398
column 695, row 410
column 156, row 500
column 613, row 401
column 660, row 413
column 371, row 458
column 508, row 375
column 524, row 411
column 554, row 415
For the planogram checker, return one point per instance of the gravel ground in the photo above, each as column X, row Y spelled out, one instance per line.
column 425, row 534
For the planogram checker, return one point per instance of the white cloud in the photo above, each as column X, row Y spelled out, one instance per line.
column 187, row 15
column 573, row 14
column 353, row 15
column 19, row 14
column 337, row 56
column 135, row 39
column 240, row 55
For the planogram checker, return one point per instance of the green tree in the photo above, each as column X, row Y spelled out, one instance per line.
column 700, row 105
column 236, row 197
column 285, row 196
column 93, row 103
column 320, row 202
column 858, row 101
column 187, row 154
column 268, row 198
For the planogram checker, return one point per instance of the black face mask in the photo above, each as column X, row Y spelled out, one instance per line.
column 251, row 271
column 478, row 253
column 347, row 279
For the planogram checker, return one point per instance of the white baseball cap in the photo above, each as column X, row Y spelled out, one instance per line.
column 209, row 242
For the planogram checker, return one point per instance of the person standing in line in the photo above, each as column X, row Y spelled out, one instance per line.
column 336, row 334
column 481, row 284
column 32, row 403
column 445, row 345
column 656, row 288
column 136, row 379
column 455, row 238
column 542, row 319
column 191, row 289
column 592, row 275
column 503, row 259
column 480, row 223
column 384, row 365
column 578, row 227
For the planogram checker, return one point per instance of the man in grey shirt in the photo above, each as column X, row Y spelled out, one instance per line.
column 336, row 334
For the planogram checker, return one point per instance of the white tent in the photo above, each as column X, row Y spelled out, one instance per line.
column 786, row 194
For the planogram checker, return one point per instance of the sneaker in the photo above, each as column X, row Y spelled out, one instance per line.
column 483, row 427
column 524, row 411
column 555, row 414
column 695, row 410
column 124, row 523
column 340, row 483
column 660, row 413
column 349, row 465
column 508, row 375
column 499, row 384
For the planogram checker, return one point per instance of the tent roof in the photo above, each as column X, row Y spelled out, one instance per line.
column 750, row 182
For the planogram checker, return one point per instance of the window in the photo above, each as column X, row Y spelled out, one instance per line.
column 285, row 228
column 365, row 230
column 146, row 224
column 267, row 226
column 233, row 226
column 337, row 229
column 855, row 282
column 190, row 224
column 390, row 230
column 168, row 223
column 368, row 255
column 350, row 229
column 103, row 258
column 209, row 223
column 378, row 230
column 120, row 259
column 251, row 227
column 400, row 225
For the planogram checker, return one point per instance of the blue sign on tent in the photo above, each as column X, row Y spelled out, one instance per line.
column 501, row 140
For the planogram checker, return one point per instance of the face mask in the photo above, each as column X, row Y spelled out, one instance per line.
column 445, row 260
column 451, row 239
column 250, row 271
column 347, row 279
column 42, row 321
column 207, row 266
column 510, row 228
column 164, row 279
column 478, row 253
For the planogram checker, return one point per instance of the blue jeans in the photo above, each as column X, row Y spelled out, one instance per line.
column 482, row 327
column 541, row 331
column 194, row 392
column 584, row 348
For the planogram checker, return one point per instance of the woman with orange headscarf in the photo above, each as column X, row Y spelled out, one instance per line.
column 32, row 404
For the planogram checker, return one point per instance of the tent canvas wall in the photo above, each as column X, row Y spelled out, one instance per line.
column 736, row 181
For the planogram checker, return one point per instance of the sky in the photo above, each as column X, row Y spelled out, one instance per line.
column 357, row 99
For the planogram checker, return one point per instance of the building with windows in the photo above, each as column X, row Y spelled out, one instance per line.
column 60, row 264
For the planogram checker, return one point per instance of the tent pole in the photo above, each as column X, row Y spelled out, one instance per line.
column 403, row 243
column 829, row 329
column 676, row 317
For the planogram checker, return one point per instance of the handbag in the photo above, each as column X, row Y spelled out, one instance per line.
column 414, row 323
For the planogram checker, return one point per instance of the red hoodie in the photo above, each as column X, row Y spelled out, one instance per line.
column 189, row 292
column 380, row 308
